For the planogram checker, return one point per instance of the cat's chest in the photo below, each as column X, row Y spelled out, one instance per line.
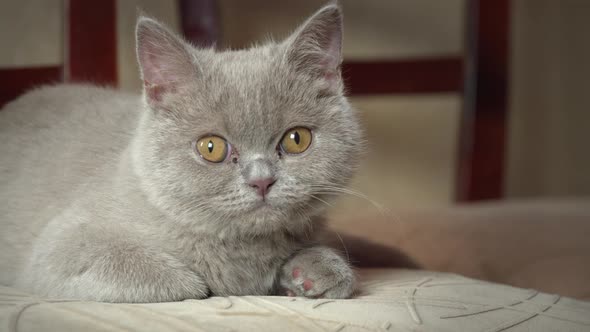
column 241, row 267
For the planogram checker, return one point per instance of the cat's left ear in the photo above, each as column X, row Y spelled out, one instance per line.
column 316, row 47
column 164, row 59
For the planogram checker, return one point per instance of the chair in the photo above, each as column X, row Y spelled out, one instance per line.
column 89, row 51
column 480, row 75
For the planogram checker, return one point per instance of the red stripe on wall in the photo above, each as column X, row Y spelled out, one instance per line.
column 429, row 75
column 16, row 81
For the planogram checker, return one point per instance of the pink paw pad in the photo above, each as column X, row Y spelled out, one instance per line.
column 296, row 272
column 307, row 284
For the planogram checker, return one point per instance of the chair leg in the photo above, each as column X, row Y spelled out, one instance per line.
column 90, row 46
column 200, row 21
column 484, row 118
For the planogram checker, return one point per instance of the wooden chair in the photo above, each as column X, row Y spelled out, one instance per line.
column 90, row 52
column 480, row 75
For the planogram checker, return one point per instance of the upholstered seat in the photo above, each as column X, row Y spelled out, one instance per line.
column 389, row 300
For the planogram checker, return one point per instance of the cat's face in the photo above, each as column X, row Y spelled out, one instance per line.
column 249, row 141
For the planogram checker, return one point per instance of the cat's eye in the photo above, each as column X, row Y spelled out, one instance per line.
column 296, row 140
column 212, row 148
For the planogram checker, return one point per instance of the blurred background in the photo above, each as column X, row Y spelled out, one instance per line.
column 461, row 100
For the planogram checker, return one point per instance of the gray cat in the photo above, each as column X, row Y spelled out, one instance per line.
column 210, row 183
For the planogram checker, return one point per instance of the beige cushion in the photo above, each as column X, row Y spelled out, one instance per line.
column 542, row 244
column 389, row 300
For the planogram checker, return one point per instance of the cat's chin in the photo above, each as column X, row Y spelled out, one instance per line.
column 269, row 214
column 261, row 208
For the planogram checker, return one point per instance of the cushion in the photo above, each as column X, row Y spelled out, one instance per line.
column 388, row 300
column 537, row 243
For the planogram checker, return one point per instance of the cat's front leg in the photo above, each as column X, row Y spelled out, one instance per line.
column 108, row 264
column 317, row 272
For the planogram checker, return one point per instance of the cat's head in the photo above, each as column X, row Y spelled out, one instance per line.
column 250, row 141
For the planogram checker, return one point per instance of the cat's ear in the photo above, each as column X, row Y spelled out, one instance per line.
column 316, row 46
column 164, row 60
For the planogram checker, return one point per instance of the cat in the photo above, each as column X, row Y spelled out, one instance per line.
column 211, row 182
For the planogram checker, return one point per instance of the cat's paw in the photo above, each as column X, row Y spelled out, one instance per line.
column 317, row 273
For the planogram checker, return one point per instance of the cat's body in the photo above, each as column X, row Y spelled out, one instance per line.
column 104, row 198
column 59, row 144
column 71, row 154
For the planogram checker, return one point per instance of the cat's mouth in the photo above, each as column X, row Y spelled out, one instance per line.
column 261, row 204
column 260, row 210
column 265, row 206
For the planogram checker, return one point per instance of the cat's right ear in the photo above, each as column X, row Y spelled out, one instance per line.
column 164, row 60
column 316, row 47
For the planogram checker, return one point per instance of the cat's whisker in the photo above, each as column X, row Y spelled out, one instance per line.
column 332, row 190
column 337, row 234
column 343, row 246
column 307, row 220
column 321, row 200
column 353, row 193
column 380, row 209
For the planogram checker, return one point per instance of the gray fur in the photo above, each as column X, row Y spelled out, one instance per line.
column 104, row 198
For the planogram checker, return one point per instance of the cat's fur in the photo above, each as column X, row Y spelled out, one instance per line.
column 104, row 198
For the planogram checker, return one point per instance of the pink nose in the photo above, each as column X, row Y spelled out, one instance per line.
column 262, row 186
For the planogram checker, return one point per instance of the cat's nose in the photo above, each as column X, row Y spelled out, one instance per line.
column 262, row 186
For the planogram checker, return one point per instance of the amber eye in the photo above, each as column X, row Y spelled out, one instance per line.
column 296, row 140
column 212, row 148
